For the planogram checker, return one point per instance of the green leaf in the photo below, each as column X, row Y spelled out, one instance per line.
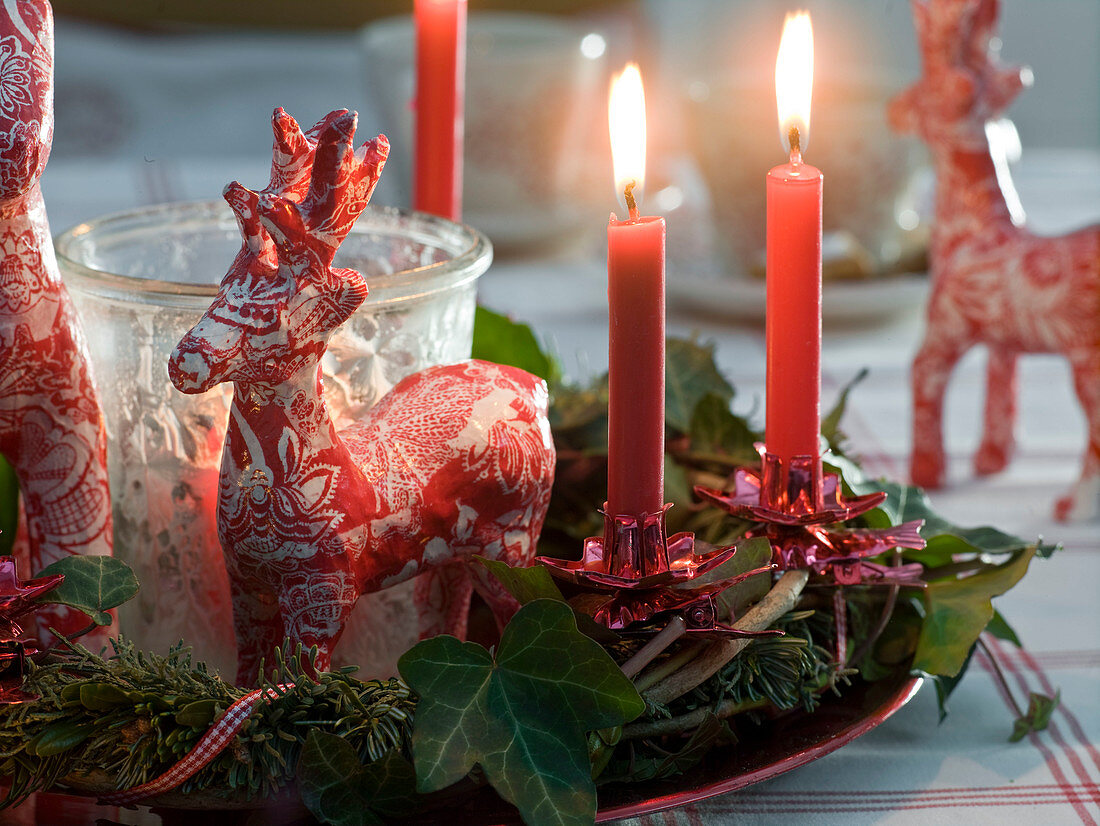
column 325, row 772
column 93, row 585
column 199, row 714
column 690, row 375
column 957, row 611
column 59, row 738
column 1037, row 717
column 340, row 791
column 9, row 506
column 522, row 716
column 716, row 430
column 946, row 685
column 525, row 584
column 103, row 697
column 750, row 554
column 830, row 424
column 499, row 339
column 905, row 503
column 1000, row 629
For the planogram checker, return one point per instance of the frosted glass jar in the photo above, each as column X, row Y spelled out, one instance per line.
column 140, row 280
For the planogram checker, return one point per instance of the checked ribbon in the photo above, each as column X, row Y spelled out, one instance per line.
column 210, row 746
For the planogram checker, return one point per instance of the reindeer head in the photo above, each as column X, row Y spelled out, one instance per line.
column 281, row 298
column 964, row 85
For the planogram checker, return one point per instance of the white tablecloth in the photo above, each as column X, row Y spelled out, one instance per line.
column 909, row 770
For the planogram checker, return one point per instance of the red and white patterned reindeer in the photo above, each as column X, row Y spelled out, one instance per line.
column 993, row 281
column 454, row 461
column 51, row 425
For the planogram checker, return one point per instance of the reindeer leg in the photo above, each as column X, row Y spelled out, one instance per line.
column 315, row 609
column 443, row 599
column 1082, row 501
column 998, row 438
column 931, row 370
column 496, row 596
column 258, row 626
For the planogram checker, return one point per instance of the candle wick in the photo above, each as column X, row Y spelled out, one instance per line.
column 795, row 141
column 631, row 204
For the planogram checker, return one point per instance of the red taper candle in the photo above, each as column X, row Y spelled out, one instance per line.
column 636, row 304
column 793, row 329
column 440, row 93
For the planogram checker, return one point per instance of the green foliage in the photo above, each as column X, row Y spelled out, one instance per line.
column 640, row 765
column 525, row 584
column 500, row 339
column 958, row 610
column 339, row 790
column 92, row 585
column 830, row 424
column 136, row 714
column 1037, row 716
column 521, row 715
column 9, row 506
column 690, row 376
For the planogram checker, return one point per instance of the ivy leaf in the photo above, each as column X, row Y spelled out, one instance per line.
column 1037, row 717
column 521, row 715
column 525, row 584
column 1000, row 629
column 905, row 503
column 830, row 424
column 93, row 585
column 946, row 685
column 340, row 791
column 716, row 430
column 499, row 339
column 957, row 610
column 9, row 506
column 690, row 375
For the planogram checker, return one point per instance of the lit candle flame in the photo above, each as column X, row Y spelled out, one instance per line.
column 626, row 120
column 794, row 80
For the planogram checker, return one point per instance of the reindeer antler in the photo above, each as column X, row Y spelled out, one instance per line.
column 340, row 187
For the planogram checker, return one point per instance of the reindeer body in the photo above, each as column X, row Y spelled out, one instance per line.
column 51, row 425
column 454, row 461
column 993, row 281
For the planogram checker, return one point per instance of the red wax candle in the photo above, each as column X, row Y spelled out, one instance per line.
column 440, row 91
column 794, row 264
column 636, row 365
column 636, row 304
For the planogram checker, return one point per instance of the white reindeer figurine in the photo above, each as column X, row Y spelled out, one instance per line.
column 454, row 461
column 993, row 282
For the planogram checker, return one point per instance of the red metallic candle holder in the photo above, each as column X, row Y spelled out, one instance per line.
column 637, row 574
column 795, row 500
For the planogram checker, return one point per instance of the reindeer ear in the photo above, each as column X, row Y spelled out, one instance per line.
column 244, row 202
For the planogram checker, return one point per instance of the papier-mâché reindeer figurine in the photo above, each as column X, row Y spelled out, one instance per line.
column 454, row 461
column 51, row 425
column 993, row 282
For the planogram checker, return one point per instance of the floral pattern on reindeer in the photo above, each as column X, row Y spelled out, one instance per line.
column 454, row 461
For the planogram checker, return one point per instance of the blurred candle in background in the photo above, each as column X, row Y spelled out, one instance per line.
column 440, row 92
column 636, row 305
column 793, row 328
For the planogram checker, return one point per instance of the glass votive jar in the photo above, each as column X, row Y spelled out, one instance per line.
column 140, row 280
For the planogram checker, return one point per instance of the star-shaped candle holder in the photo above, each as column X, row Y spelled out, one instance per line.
column 795, row 501
column 17, row 599
column 635, row 576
